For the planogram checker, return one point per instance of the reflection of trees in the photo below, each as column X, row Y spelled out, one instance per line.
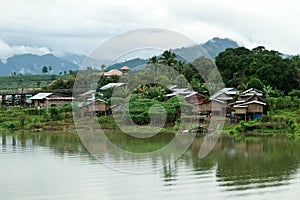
column 253, row 167
column 59, row 142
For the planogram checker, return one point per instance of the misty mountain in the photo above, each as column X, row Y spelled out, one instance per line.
column 216, row 45
column 33, row 64
column 133, row 63
column 209, row 49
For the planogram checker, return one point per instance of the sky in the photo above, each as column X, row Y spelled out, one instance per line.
column 76, row 26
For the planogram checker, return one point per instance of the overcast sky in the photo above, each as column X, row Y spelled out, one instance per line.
column 79, row 26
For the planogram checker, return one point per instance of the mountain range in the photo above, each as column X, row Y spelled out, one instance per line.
column 33, row 64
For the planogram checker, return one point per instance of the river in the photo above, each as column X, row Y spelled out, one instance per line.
column 58, row 167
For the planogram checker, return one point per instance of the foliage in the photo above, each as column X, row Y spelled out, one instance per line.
column 255, row 83
column 238, row 66
column 139, row 109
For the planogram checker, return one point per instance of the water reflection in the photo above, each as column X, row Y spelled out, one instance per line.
column 60, row 143
column 250, row 164
column 268, row 162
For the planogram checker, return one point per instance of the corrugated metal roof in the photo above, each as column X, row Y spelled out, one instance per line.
column 40, row 96
column 59, row 98
column 191, row 94
column 111, row 85
column 230, row 91
column 251, row 91
column 88, row 93
column 255, row 102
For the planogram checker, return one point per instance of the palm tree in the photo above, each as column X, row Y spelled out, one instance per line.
column 179, row 66
column 267, row 89
column 154, row 60
column 102, row 67
column 168, row 58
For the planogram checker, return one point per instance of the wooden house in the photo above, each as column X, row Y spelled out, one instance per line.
column 118, row 108
column 250, row 92
column 45, row 100
column 90, row 94
column 97, row 107
column 250, row 105
column 194, row 98
column 226, row 95
column 212, row 106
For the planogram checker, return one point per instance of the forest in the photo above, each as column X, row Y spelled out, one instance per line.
column 243, row 68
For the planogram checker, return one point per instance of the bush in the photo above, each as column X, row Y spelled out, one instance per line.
column 55, row 113
column 10, row 124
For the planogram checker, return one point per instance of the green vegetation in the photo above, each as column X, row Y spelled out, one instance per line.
column 29, row 81
column 283, row 117
column 259, row 68
column 243, row 68
column 54, row 118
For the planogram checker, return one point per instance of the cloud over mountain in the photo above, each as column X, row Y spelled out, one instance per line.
column 7, row 50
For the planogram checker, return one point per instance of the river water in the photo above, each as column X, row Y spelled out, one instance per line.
column 57, row 166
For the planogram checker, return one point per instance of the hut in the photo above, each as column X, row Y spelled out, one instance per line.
column 90, row 94
column 225, row 94
column 250, row 92
column 125, row 69
column 49, row 100
column 97, row 107
column 113, row 72
column 250, row 105
column 194, row 98
column 212, row 106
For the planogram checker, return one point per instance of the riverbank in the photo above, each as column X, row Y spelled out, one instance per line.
column 278, row 122
column 51, row 119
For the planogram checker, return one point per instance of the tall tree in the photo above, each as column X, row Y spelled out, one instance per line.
column 45, row 69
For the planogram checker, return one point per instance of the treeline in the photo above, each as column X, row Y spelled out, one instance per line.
column 243, row 68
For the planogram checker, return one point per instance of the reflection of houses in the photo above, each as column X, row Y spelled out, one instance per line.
column 113, row 72
column 97, row 107
column 250, row 105
column 49, row 100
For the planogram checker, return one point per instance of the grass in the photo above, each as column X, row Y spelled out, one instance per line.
column 279, row 122
column 29, row 81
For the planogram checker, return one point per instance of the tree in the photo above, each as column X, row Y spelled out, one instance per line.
column 237, row 66
column 102, row 67
column 179, row 66
column 267, row 89
column 50, row 68
column 154, row 61
column 168, row 58
column 45, row 69
column 255, row 83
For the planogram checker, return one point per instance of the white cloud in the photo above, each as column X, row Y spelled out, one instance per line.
column 7, row 51
column 79, row 26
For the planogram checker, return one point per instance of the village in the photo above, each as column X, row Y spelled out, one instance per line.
column 228, row 102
